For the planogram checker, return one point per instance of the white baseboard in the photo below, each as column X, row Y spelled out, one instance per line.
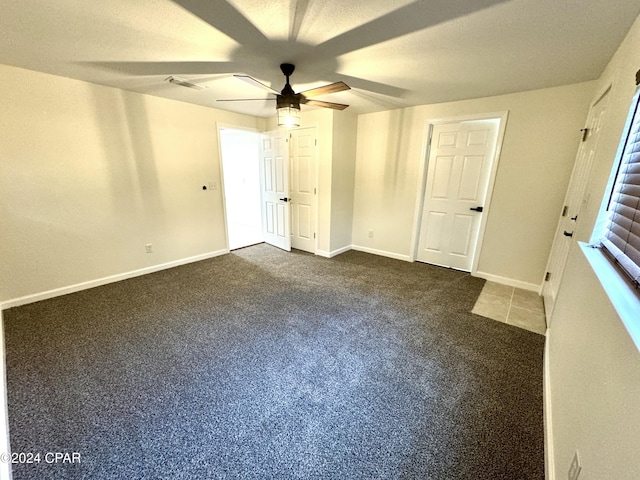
column 5, row 467
column 333, row 253
column 56, row 292
column 533, row 287
column 549, row 469
column 383, row 253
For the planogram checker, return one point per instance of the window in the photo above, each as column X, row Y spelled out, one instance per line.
column 622, row 229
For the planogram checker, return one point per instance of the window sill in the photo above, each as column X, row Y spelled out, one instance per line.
column 623, row 296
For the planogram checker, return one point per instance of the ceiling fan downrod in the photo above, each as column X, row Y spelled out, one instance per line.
column 288, row 98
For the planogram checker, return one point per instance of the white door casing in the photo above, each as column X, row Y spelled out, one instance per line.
column 274, row 171
column 303, row 185
column 574, row 203
column 459, row 168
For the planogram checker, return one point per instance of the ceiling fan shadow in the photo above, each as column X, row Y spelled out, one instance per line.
column 297, row 16
column 225, row 18
column 413, row 17
column 168, row 68
column 257, row 55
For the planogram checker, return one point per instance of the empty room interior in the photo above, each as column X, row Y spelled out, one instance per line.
column 304, row 239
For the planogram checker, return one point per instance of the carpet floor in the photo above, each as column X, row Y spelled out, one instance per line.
column 262, row 364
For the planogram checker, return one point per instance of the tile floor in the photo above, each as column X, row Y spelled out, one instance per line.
column 514, row 306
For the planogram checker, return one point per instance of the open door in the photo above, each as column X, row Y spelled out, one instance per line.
column 274, row 172
column 574, row 204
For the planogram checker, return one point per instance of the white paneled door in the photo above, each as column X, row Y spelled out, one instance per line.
column 574, row 204
column 274, row 166
column 303, row 189
column 458, row 174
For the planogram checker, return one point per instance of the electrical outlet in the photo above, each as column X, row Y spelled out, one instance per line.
column 213, row 185
column 370, row 233
column 575, row 468
column 148, row 248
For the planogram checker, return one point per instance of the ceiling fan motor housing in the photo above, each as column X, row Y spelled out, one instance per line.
column 290, row 101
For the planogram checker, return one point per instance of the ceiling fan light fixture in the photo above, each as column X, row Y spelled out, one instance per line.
column 184, row 83
column 289, row 116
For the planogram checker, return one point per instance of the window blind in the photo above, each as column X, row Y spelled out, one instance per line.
column 622, row 233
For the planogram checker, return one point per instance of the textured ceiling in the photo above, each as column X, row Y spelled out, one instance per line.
column 392, row 53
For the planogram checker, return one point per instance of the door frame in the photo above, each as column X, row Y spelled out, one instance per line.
column 227, row 126
column 423, row 169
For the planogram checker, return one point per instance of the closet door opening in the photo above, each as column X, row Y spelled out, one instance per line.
column 240, row 151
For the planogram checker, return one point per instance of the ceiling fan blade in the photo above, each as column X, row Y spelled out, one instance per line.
column 243, row 99
column 318, row 103
column 376, row 87
column 331, row 88
column 254, row 82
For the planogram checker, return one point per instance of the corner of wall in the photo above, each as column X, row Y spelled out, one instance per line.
column 549, row 465
column 343, row 166
column 5, row 446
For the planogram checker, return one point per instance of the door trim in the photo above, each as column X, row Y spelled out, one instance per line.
column 422, row 176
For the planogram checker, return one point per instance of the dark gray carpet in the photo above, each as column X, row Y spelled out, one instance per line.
column 265, row 364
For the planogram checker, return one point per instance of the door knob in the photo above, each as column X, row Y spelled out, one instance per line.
column 476, row 209
column 568, row 234
column 285, row 199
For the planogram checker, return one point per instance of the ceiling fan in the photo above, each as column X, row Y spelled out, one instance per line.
column 288, row 102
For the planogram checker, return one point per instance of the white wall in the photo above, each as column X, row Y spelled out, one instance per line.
column 539, row 148
column 594, row 378
column 593, row 375
column 90, row 174
column 343, row 172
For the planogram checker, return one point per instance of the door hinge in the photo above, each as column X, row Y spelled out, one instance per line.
column 585, row 134
column 314, row 234
column 565, row 210
column 547, row 276
column 315, row 191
